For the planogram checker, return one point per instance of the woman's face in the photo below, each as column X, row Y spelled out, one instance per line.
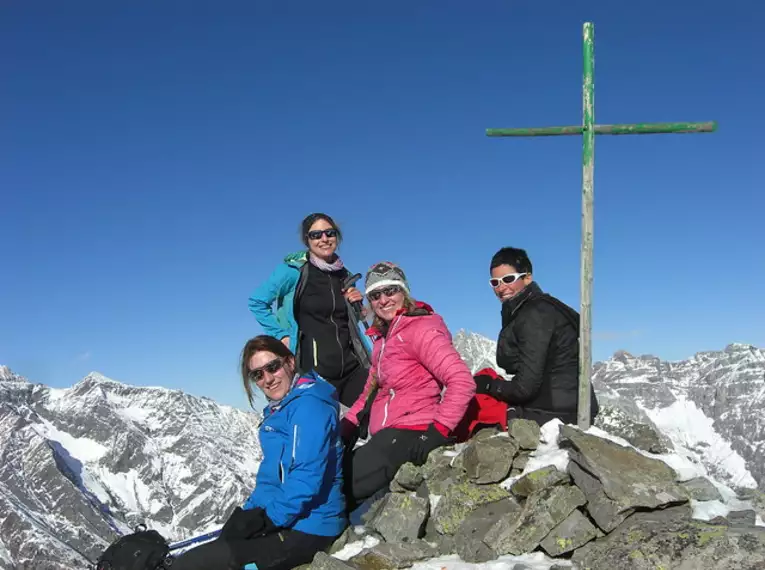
column 272, row 374
column 322, row 239
column 387, row 301
column 507, row 282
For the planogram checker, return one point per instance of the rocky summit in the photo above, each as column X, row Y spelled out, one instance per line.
column 613, row 506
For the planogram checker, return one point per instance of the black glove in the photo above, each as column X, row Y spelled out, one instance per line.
column 426, row 442
column 485, row 384
column 246, row 524
column 349, row 433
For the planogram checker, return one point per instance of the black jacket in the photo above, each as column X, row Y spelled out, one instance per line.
column 539, row 344
column 329, row 338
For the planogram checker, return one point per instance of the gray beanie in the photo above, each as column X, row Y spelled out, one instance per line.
column 384, row 274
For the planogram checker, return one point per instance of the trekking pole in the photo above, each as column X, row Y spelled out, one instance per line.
column 357, row 309
column 357, row 306
column 194, row 540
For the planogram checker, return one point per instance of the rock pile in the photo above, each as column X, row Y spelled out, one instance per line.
column 612, row 507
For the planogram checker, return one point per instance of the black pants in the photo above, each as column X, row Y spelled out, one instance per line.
column 351, row 385
column 373, row 466
column 279, row 551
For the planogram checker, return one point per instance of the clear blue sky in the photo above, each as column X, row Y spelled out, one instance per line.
column 156, row 158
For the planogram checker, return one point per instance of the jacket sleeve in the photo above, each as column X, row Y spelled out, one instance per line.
column 533, row 332
column 314, row 433
column 353, row 413
column 278, row 284
column 434, row 349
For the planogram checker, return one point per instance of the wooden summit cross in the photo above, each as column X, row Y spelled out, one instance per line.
column 589, row 129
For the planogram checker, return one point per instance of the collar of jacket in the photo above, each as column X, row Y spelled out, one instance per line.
column 274, row 405
column 296, row 259
column 420, row 309
column 511, row 306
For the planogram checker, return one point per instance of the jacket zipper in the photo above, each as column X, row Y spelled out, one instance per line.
column 337, row 329
column 391, row 392
column 315, row 354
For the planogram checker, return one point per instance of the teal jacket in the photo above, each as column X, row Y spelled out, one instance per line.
column 283, row 287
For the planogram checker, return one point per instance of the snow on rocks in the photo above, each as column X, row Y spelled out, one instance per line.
column 575, row 499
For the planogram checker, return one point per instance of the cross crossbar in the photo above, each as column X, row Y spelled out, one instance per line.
column 588, row 130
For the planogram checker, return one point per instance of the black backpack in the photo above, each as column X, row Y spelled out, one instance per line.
column 142, row 550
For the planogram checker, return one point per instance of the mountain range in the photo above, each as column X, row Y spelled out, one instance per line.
column 83, row 464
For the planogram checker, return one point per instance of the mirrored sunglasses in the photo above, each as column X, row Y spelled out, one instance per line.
column 316, row 234
column 506, row 279
column 388, row 291
column 257, row 374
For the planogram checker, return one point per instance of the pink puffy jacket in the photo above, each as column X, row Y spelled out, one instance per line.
column 412, row 365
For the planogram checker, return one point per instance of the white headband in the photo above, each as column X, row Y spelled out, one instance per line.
column 385, row 283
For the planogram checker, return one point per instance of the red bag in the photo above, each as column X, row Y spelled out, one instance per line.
column 483, row 410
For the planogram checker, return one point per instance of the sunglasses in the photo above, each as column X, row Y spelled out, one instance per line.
column 506, row 279
column 316, row 234
column 257, row 374
column 388, row 291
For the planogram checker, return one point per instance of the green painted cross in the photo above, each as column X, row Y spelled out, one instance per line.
column 589, row 129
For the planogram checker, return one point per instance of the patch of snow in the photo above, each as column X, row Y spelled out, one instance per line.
column 352, row 549
column 548, row 452
column 80, row 448
column 695, row 437
column 534, row 561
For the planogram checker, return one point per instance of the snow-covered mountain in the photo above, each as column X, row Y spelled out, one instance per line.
column 79, row 465
column 710, row 406
column 82, row 463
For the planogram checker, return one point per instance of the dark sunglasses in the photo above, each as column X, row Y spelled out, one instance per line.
column 257, row 374
column 316, row 234
column 506, row 279
column 388, row 291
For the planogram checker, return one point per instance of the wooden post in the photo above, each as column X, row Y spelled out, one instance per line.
column 588, row 130
column 588, row 173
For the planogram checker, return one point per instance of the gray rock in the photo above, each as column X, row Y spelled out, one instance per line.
column 440, row 474
column 489, row 460
column 605, row 512
column 627, row 479
column 745, row 518
column 401, row 517
column 521, row 460
column 543, row 478
column 569, row 535
column 468, row 540
column 348, row 536
column 323, row 561
column 541, row 513
column 701, row 489
column 525, row 432
column 642, row 434
column 388, row 555
column 669, row 539
column 409, row 477
column 462, row 499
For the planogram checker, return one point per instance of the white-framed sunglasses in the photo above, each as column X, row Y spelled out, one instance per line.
column 506, row 279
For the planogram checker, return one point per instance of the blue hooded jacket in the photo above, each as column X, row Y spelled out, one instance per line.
column 300, row 480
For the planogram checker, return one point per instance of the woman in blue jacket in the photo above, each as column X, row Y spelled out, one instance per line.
column 297, row 507
column 313, row 314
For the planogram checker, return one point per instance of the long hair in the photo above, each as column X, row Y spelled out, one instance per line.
column 260, row 344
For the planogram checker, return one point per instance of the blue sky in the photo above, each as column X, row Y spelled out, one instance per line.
column 157, row 157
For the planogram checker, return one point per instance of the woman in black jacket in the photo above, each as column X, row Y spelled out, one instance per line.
column 538, row 344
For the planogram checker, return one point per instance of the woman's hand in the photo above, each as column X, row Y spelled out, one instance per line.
column 353, row 295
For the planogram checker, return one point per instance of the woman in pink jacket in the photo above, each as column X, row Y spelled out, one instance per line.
column 404, row 404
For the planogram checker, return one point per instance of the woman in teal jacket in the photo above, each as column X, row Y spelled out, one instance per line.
column 313, row 313
column 297, row 507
